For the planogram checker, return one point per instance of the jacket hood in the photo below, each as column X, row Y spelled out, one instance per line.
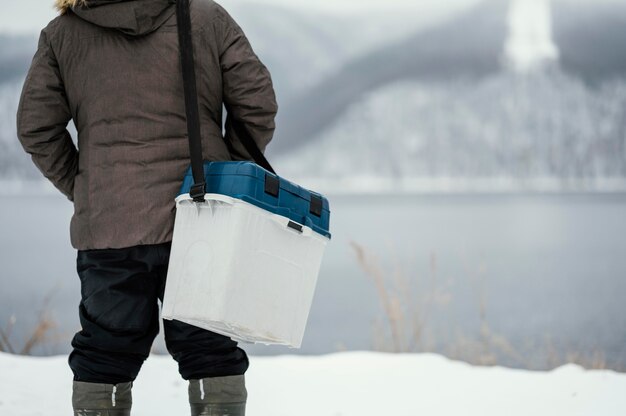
column 132, row 17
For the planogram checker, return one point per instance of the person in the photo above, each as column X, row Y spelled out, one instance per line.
column 113, row 67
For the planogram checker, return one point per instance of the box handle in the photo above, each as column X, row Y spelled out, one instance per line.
column 295, row 226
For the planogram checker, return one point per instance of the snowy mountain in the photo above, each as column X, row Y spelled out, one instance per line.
column 467, row 46
column 591, row 37
column 16, row 53
column 502, row 106
column 549, row 131
column 515, row 92
column 14, row 162
column 300, row 47
column 470, row 46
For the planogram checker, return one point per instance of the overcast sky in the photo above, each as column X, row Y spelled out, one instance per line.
column 30, row 16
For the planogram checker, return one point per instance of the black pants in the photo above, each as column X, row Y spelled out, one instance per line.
column 119, row 315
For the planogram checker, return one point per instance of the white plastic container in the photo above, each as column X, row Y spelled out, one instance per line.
column 240, row 271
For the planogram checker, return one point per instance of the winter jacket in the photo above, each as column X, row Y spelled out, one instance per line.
column 113, row 67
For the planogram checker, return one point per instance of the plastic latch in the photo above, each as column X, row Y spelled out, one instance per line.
column 272, row 185
column 316, row 205
column 197, row 192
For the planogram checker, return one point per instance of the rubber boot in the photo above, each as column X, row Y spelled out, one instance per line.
column 95, row 399
column 218, row 396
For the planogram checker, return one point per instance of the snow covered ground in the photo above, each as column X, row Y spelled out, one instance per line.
column 341, row 384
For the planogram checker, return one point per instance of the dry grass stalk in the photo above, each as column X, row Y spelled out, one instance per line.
column 5, row 336
column 38, row 337
column 389, row 302
column 406, row 315
column 403, row 311
column 39, row 334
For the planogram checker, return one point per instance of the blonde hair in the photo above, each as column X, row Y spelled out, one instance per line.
column 63, row 5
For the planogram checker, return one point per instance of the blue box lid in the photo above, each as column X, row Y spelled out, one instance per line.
column 251, row 183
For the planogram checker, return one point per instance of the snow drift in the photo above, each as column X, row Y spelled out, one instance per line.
column 346, row 384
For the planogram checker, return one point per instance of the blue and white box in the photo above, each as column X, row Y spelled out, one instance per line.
column 245, row 263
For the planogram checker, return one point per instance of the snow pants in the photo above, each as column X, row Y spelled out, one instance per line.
column 119, row 316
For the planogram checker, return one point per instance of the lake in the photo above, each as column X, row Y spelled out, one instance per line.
column 523, row 280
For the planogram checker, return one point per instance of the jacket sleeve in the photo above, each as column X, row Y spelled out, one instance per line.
column 248, row 92
column 42, row 117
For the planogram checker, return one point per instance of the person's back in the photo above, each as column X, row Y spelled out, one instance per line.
column 113, row 66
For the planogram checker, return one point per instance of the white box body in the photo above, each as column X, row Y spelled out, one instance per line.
column 240, row 271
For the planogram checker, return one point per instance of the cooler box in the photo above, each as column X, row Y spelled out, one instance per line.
column 245, row 263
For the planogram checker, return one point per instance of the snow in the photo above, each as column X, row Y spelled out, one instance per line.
column 487, row 135
column 340, row 384
column 530, row 43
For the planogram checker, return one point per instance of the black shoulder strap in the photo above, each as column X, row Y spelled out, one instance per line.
column 249, row 144
column 183, row 19
column 198, row 190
